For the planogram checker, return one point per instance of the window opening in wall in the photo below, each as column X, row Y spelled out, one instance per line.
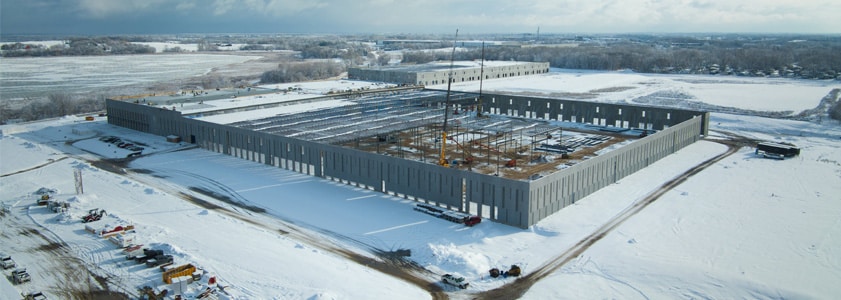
column 620, row 111
column 668, row 116
column 643, row 114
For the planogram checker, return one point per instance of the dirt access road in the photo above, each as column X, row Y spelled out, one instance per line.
column 59, row 261
column 517, row 288
column 53, row 265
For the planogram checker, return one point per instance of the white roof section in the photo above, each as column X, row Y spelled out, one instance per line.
column 457, row 65
column 286, row 97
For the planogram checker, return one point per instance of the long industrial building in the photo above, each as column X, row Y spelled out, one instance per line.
column 438, row 72
column 315, row 142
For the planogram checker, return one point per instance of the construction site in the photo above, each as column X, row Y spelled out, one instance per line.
column 409, row 124
column 512, row 159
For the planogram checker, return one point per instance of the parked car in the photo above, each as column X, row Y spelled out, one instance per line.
column 7, row 262
column 20, row 276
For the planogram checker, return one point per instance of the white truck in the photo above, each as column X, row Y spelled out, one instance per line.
column 456, row 281
column 7, row 262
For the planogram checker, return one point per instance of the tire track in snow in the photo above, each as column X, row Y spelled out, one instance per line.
column 518, row 288
column 384, row 262
column 35, row 167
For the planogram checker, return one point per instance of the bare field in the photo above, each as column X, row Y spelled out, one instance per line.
column 30, row 78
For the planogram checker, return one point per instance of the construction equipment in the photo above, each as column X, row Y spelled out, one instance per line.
column 456, row 281
column 93, row 215
column 43, row 200
column 468, row 157
column 511, row 163
column 443, row 160
column 513, row 271
column 7, row 262
column 182, row 270
column 20, row 276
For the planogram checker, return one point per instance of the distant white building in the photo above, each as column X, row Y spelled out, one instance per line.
column 438, row 72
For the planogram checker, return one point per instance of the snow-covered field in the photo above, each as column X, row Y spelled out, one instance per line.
column 760, row 94
column 31, row 77
column 745, row 227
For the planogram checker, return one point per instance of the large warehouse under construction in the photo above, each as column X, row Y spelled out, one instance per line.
column 511, row 159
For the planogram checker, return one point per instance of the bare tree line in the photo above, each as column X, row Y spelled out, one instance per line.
column 302, row 71
column 320, row 57
column 811, row 60
column 54, row 105
column 77, row 47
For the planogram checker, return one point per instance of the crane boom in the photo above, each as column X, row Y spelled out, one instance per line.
column 481, row 77
column 443, row 160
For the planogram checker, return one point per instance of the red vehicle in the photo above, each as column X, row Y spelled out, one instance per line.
column 472, row 220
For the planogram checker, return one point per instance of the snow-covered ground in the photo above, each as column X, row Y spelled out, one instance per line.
column 760, row 94
column 746, row 227
column 37, row 76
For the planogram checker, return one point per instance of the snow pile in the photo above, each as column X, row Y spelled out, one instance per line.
column 452, row 259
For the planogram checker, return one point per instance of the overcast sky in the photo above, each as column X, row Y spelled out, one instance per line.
column 417, row 16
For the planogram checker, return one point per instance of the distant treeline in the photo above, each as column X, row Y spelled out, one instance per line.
column 302, row 71
column 77, row 47
column 799, row 59
column 55, row 105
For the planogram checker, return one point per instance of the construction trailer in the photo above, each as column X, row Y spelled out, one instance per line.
column 776, row 150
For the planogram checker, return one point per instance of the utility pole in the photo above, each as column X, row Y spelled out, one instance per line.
column 77, row 176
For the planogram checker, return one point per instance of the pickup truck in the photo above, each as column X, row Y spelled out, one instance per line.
column 7, row 262
column 147, row 255
column 20, row 276
column 456, row 281
column 159, row 260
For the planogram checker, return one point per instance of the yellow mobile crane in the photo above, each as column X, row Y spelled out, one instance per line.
column 443, row 160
